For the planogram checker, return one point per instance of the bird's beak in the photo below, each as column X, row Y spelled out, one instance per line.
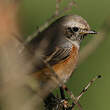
column 89, row 32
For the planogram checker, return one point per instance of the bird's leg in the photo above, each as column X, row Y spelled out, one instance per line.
column 62, row 93
column 62, row 97
column 75, row 102
column 66, row 105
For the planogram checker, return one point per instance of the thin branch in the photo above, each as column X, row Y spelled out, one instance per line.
column 57, row 7
column 52, row 18
column 72, row 96
column 88, row 85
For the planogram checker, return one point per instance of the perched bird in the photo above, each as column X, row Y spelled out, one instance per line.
column 61, row 44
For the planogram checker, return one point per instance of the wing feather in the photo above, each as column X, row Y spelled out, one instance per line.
column 58, row 55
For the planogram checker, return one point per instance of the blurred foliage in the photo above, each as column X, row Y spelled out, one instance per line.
column 35, row 12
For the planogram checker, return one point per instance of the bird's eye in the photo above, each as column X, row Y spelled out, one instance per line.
column 75, row 29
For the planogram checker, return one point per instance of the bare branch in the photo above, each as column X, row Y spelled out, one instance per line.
column 57, row 14
column 88, row 85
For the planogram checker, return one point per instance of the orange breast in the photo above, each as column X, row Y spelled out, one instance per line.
column 46, row 80
column 65, row 68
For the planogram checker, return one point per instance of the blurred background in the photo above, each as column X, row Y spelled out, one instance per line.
column 34, row 13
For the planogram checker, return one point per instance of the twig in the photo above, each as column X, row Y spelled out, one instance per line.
column 88, row 85
column 54, row 16
column 72, row 96
column 63, row 101
column 57, row 7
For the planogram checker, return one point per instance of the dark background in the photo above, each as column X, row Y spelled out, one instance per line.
column 35, row 12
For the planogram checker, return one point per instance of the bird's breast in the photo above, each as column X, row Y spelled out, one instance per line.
column 65, row 67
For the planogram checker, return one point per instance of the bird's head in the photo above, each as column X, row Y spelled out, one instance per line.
column 76, row 28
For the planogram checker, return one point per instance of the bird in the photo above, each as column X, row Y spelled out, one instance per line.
column 61, row 44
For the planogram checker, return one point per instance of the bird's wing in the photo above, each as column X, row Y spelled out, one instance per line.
column 57, row 55
column 53, row 57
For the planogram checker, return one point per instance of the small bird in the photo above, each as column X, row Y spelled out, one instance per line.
column 61, row 42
